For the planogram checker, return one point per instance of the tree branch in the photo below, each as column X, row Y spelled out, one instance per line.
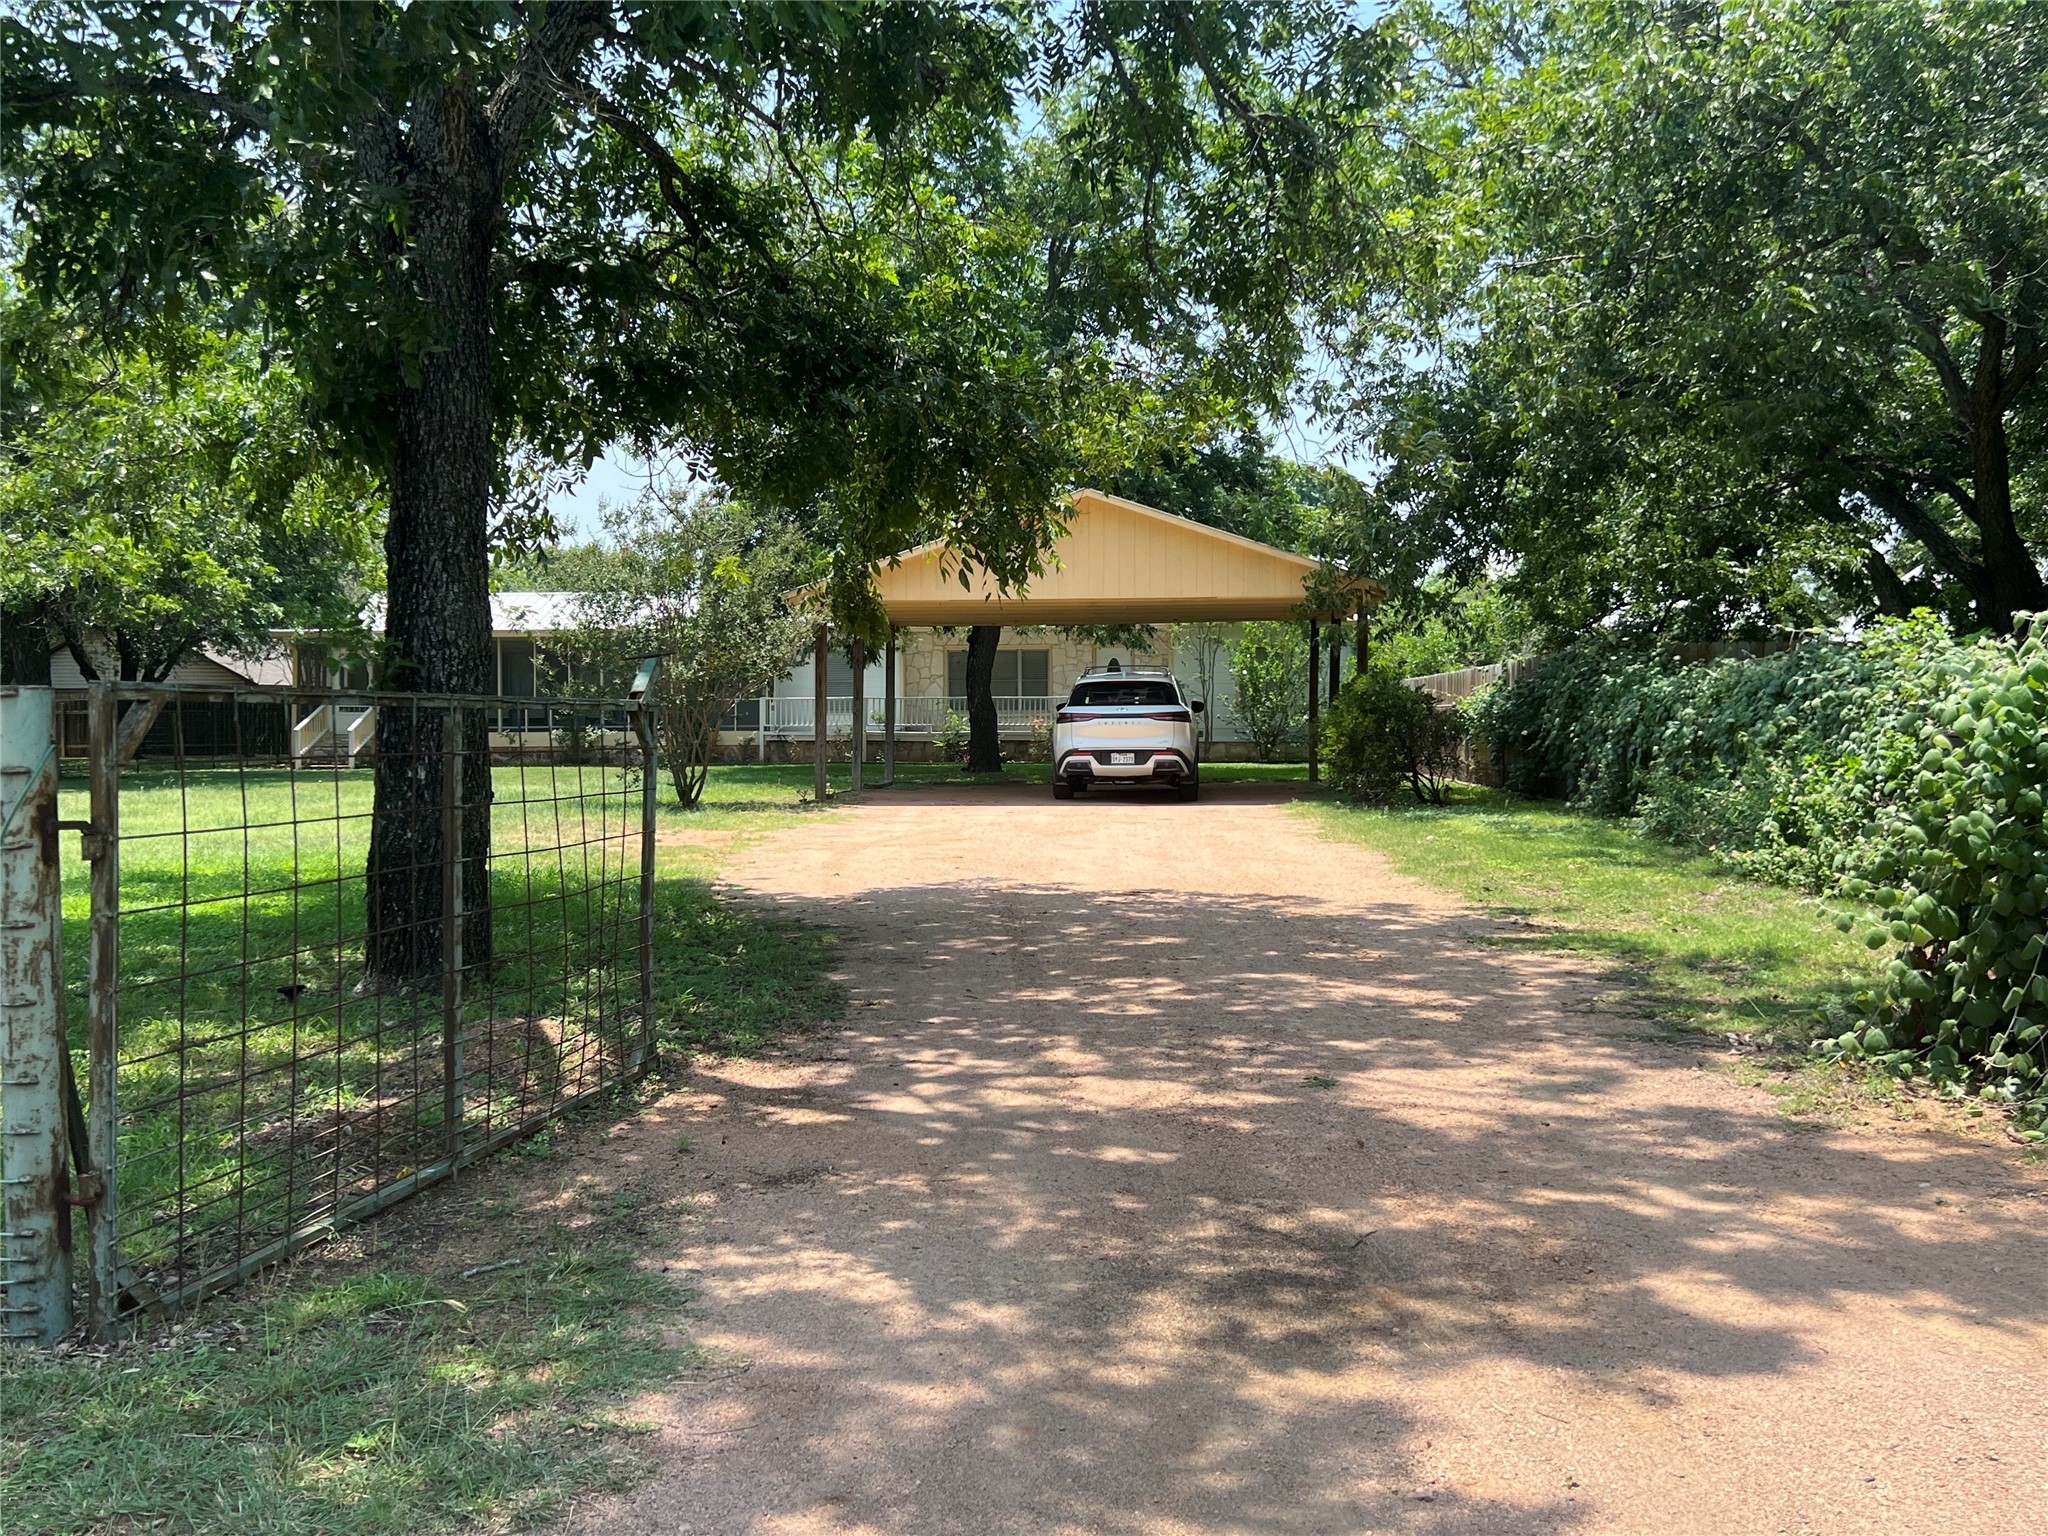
column 547, row 67
column 2029, row 352
column 245, row 117
column 1917, row 522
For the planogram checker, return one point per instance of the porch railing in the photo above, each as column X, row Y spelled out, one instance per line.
column 916, row 715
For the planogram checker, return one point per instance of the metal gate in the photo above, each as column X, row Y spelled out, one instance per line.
column 317, row 951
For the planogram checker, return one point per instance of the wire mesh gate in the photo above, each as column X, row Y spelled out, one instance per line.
column 326, row 949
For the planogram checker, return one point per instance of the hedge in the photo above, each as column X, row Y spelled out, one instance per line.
column 1902, row 771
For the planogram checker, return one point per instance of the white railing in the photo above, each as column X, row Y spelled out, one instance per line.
column 361, row 732
column 352, row 727
column 916, row 715
column 312, row 730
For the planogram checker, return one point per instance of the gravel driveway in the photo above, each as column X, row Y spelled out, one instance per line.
column 1179, row 1172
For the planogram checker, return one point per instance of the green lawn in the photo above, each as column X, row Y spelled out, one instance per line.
column 384, row 1398
column 380, row 1403
column 1699, row 947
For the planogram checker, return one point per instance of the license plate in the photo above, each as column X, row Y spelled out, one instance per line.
column 1119, row 759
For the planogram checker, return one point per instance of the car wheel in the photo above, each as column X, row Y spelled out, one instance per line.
column 1189, row 789
column 1062, row 787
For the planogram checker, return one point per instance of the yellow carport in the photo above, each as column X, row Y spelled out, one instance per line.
column 1118, row 562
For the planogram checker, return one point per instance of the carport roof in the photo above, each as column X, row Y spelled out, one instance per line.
column 1119, row 562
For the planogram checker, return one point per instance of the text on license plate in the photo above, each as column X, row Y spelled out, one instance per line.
column 1118, row 758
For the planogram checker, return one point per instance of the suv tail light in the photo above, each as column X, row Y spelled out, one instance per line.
column 1169, row 714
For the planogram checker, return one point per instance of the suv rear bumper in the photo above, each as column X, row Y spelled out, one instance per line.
column 1149, row 763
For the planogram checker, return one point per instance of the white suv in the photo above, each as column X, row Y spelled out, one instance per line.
column 1125, row 725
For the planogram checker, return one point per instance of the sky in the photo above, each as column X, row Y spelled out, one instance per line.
column 619, row 478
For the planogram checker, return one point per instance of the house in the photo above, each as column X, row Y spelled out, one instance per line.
column 203, row 727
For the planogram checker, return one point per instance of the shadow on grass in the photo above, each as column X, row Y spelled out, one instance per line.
column 1696, row 944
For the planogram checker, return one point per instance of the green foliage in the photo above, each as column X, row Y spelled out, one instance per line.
column 1269, row 667
column 1903, row 770
column 1443, row 625
column 1725, row 316
column 1382, row 736
column 700, row 583
column 154, row 508
column 950, row 741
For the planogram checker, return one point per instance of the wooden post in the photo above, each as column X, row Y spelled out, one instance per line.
column 103, row 966
column 1363, row 651
column 859, row 731
column 1336, row 659
column 821, row 653
column 1315, row 667
column 650, row 769
column 889, row 708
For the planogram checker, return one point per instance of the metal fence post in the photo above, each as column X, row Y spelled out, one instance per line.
column 451, row 932
column 35, row 1219
column 103, row 970
column 650, row 766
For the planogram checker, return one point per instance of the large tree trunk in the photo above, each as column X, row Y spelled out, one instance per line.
column 984, row 740
column 24, row 648
column 437, row 625
column 2011, row 581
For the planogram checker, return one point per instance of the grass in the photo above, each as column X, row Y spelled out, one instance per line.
column 1699, row 947
column 384, row 1401
column 262, row 1083
column 388, row 1398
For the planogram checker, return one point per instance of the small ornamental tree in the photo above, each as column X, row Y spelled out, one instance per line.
column 702, row 584
column 1381, row 736
column 1270, row 668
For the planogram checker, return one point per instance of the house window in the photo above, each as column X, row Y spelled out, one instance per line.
column 515, row 668
column 1019, row 674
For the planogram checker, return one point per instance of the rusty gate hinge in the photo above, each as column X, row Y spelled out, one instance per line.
column 91, row 842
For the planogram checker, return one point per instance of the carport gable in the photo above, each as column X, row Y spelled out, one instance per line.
column 1119, row 562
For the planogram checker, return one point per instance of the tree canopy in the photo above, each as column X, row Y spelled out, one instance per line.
column 1726, row 315
column 150, row 510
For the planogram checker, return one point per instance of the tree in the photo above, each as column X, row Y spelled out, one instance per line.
column 699, row 582
column 1733, row 317
column 1202, row 644
column 477, row 228
column 1269, row 667
column 152, row 511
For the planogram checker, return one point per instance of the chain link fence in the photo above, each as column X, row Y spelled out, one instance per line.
column 324, row 949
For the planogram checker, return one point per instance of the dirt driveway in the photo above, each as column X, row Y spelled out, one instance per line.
column 1181, row 1173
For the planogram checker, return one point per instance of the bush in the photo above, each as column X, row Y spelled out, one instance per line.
column 1269, row 668
column 1382, row 736
column 1903, row 770
column 950, row 742
column 1040, row 748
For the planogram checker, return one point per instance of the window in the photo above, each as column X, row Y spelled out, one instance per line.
column 515, row 668
column 1019, row 674
column 1147, row 692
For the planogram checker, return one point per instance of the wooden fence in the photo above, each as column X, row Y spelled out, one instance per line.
column 1476, row 762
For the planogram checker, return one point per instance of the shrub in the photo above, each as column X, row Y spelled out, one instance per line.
column 1382, row 736
column 1269, row 667
column 1040, row 748
column 950, row 742
column 1903, row 770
